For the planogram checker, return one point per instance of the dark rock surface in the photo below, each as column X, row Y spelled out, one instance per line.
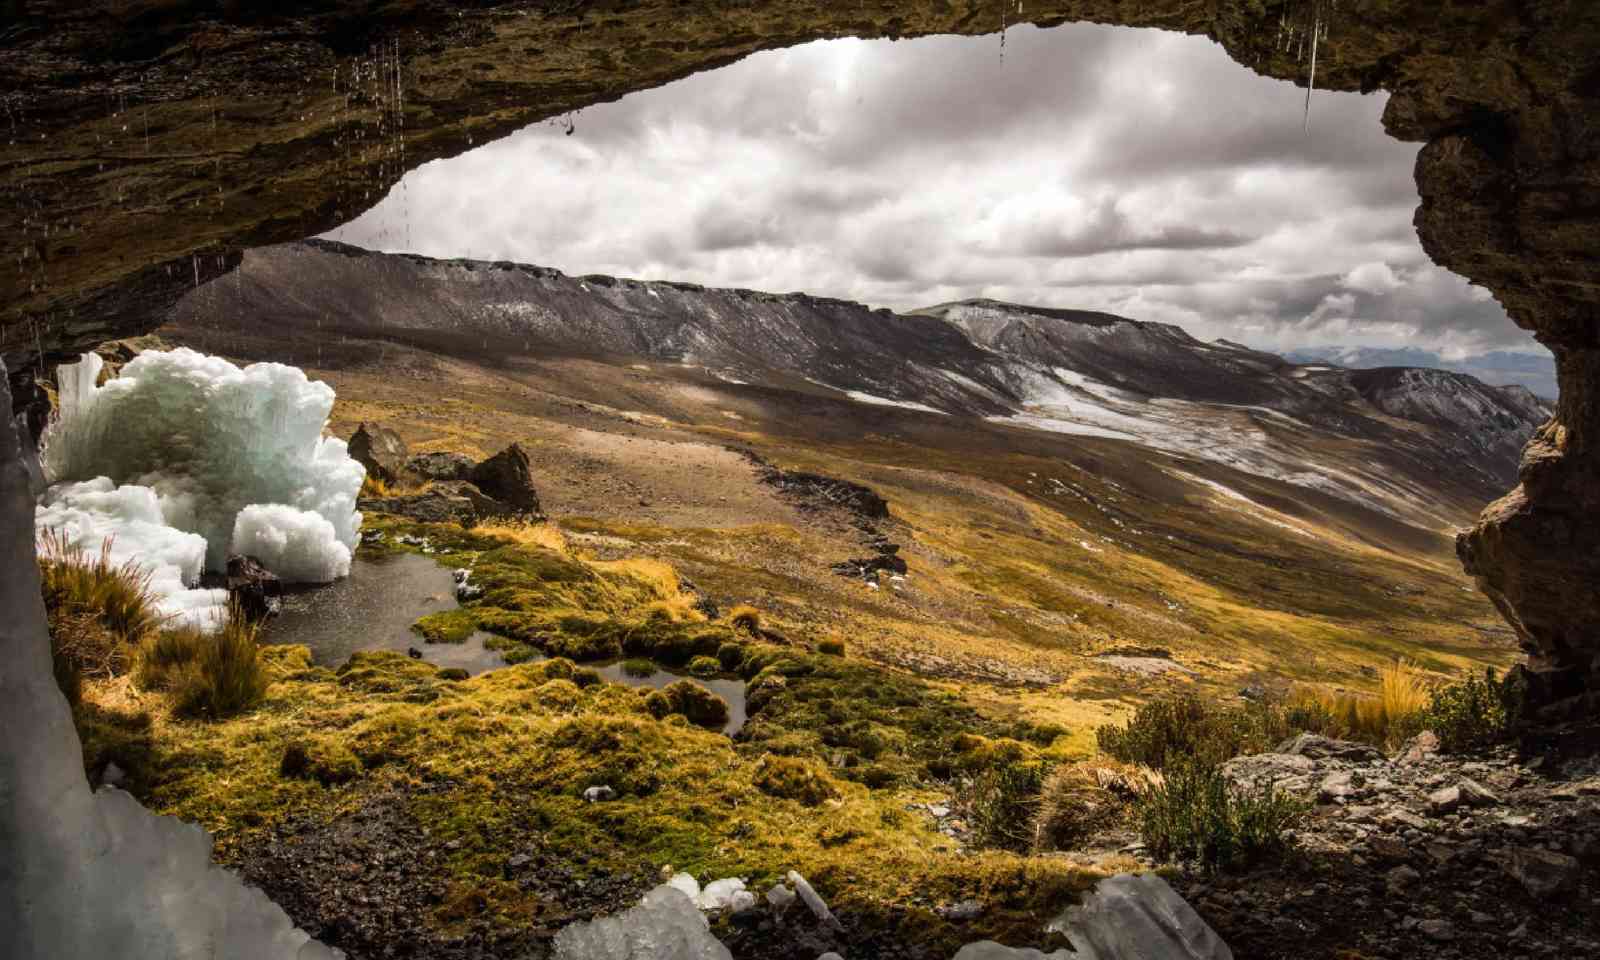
column 441, row 466
column 380, row 450
column 507, row 478
column 256, row 590
column 448, row 501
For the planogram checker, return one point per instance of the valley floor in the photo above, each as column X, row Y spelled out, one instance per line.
column 1052, row 584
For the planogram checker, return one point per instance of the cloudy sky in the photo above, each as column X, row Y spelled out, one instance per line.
column 1137, row 172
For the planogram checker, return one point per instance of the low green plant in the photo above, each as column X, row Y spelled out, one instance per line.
column 794, row 778
column 705, row 666
column 690, row 700
column 1194, row 814
column 1186, row 727
column 1472, row 713
column 1001, row 803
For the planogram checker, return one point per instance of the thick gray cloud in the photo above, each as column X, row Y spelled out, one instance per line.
column 1135, row 172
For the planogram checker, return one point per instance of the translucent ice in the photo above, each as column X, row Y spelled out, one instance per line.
column 666, row 925
column 235, row 456
column 813, row 900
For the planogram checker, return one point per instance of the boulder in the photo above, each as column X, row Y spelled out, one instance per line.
column 1543, row 873
column 1326, row 748
column 1284, row 771
column 507, row 478
column 441, row 466
column 1129, row 916
column 444, row 502
column 256, row 590
column 380, row 450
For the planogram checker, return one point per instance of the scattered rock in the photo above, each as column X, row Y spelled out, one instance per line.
column 414, row 653
column 380, row 450
column 1401, row 879
column 599, row 794
column 963, row 911
column 113, row 775
column 1423, row 746
column 507, row 477
column 1285, row 771
column 449, row 501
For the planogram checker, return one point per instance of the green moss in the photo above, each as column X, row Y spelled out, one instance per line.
column 833, row 648
column 447, row 626
column 639, row 667
column 793, row 778
column 705, row 666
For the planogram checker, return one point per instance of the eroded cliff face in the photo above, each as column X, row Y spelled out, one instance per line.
column 146, row 145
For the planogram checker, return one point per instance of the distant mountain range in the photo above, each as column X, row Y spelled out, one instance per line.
column 1536, row 371
column 1382, row 437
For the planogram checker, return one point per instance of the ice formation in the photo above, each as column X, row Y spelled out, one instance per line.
column 814, row 901
column 86, row 874
column 1138, row 916
column 234, row 456
column 666, row 925
column 93, row 512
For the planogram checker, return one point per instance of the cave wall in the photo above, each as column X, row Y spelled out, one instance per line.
column 148, row 144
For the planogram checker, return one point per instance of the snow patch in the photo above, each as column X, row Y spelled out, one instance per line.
column 861, row 397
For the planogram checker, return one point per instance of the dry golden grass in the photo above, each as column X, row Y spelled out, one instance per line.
column 1387, row 717
column 545, row 535
column 99, row 611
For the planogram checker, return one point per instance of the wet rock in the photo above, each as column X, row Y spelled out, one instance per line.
column 507, row 477
column 257, row 590
column 441, row 466
column 380, row 450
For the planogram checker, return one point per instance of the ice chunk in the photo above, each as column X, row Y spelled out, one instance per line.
column 90, row 514
column 719, row 894
column 209, row 438
column 989, row 950
column 816, row 903
column 686, row 883
column 780, row 897
column 297, row 545
column 1138, row 916
column 665, row 925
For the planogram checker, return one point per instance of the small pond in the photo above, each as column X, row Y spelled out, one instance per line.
column 374, row 608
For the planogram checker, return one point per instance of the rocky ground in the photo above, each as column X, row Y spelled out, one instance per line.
column 1423, row 855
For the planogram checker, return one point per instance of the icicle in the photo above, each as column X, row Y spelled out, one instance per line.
column 1311, row 83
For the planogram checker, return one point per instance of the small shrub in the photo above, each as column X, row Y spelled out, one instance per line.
column 833, row 648
column 705, row 666
column 1185, row 727
column 794, row 778
column 746, row 619
column 639, row 667
column 1195, row 815
column 166, row 656
column 1001, row 803
column 1471, row 714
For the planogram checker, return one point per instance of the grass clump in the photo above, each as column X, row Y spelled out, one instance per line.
column 213, row 675
column 795, row 778
column 640, row 667
column 99, row 612
column 447, row 626
column 745, row 619
column 1384, row 720
column 1193, row 814
column 1079, row 800
column 689, row 700
column 705, row 666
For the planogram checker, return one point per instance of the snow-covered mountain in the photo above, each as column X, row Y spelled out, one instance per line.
column 1381, row 437
column 1535, row 371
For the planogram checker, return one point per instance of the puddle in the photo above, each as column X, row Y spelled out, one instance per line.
column 373, row 609
column 727, row 688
